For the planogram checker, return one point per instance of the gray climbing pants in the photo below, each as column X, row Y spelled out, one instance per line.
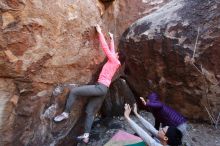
column 97, row 92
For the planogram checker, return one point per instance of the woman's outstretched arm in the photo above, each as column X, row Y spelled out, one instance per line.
column 112, row 45
column 103, row 42
column 144, row 135
column 144, row 122
column 153, row 104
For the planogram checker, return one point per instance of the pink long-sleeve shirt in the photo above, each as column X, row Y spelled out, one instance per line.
column 111, row 66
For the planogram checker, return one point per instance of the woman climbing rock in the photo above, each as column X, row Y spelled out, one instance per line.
column 98, row 91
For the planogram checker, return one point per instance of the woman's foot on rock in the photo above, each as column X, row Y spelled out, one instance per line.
column 61, row 117
column 83, row 138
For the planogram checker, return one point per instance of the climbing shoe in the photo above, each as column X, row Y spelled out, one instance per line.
column 61, row 117
column 83, row 138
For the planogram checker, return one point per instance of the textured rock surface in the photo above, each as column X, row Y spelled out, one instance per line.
column 119, row 94
column 8, row 100
column 45, row 42
column 123, row 13
column 159, row 46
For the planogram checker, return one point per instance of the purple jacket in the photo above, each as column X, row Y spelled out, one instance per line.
column 162, row 113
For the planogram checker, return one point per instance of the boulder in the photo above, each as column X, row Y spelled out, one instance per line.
column 175, row 52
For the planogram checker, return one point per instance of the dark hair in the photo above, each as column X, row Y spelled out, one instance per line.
column 174, row 136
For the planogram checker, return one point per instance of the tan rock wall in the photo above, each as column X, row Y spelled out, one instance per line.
column 8, row 100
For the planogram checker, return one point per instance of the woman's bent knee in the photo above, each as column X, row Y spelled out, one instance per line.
column 73, row 91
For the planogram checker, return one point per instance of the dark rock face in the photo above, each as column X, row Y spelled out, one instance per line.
column 159, row 50
column 119, row 94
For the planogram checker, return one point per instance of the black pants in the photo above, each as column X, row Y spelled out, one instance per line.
column 97, row 92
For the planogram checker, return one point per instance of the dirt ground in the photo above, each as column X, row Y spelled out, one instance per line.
column 200, row 133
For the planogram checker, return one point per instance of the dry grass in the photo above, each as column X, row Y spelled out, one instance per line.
column 207, row 80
